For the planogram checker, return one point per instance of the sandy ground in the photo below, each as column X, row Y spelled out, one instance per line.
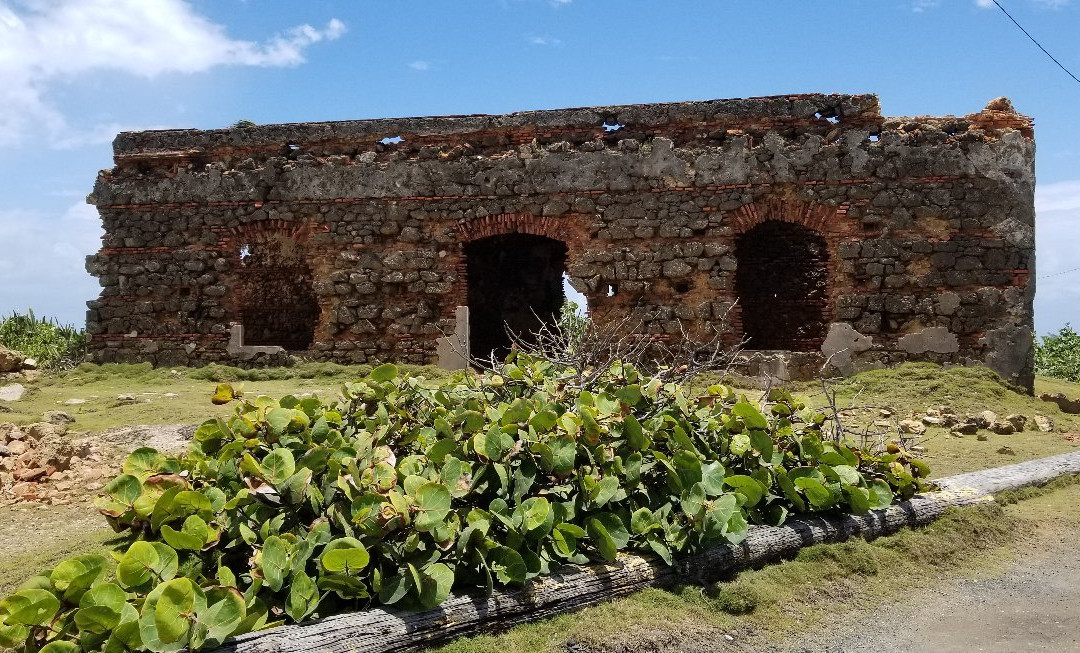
column 1032, row 604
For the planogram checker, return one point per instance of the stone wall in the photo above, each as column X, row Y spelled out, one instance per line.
column 925, row 228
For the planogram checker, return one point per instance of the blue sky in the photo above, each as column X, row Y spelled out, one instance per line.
column 76, row 71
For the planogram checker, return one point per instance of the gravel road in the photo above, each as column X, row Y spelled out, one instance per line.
column 1033, row 604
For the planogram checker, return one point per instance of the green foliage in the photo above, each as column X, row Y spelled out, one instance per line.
column 52, row 345
column 1059, row 355
column 572, row 324
column 402, row 491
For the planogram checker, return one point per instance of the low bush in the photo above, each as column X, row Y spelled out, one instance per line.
column 1058, row 355
column 53, row 345
column 403, row 490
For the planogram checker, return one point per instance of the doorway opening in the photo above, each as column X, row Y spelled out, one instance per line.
column 782, row 284
column 277, row 304
column 515, row 286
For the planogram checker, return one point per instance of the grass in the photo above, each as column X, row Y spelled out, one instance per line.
column 909, row 389
column 188, row 390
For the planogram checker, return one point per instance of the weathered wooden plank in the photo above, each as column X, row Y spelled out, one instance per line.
column 387, row 630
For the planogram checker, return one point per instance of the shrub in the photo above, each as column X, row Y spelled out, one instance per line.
column 52, row 345
column 1059, row 355
column 401, row 491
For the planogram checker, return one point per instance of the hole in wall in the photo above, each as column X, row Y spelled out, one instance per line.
column 781, row 281
column 273, row 295
column 515, row 285
column 875, row 138
column 833, row 119
column 391, row 140
column 612, row 290
column 612, row 126
column 293, row 146
column 579, row 301
column 681, row 286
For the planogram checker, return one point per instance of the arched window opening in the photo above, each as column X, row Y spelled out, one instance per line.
column 782, row 283
column 276, row 301
column 515, row 285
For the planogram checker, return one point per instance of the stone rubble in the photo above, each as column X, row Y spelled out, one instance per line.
column 42, row 463
column 1070, row 406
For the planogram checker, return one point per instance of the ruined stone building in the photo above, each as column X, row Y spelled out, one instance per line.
column 847, row 238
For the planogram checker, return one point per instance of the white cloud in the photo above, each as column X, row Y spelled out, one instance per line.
column 420, row 65
column 44, row 44
column 42, row 263
column 544, row 40
column 1059, row 196
column 1057, row 236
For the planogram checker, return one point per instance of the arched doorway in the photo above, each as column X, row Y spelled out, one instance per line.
column 782, row 284
column 515, row 285
column 275, row 300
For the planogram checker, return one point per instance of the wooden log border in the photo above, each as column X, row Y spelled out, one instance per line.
column 387, row 630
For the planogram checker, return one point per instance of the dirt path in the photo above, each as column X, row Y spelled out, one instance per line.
column 1032, row 604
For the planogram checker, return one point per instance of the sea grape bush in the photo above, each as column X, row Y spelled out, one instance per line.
column 401, row 491
column 1058, row 355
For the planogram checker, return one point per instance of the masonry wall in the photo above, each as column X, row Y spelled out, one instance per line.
column 927, row 223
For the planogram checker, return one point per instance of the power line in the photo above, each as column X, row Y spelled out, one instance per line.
column 1057, row 274
column 1060, row 65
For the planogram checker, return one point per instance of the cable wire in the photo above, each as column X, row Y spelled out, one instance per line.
column 1057, row 274
column 1052, row 58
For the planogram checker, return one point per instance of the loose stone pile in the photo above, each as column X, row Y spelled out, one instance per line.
column 41, row 462
column 971, row 424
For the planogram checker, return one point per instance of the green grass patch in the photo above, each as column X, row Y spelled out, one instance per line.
column 909, row 389
column 171, row 395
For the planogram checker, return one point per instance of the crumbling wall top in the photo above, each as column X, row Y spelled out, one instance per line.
column 772, row 111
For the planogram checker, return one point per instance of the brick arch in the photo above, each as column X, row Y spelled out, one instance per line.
column 558, row 228
column 297, row 231
column 826, row 219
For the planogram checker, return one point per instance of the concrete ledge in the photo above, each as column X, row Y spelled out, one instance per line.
column 386, row 630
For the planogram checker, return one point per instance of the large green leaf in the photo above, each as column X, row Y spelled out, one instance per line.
column 274, row 562
column 279, row 465
column 303, row 597
column 749, row 488
column 345, row 555
column 507, row 565
column 385, row 372
column 435, row 583
column 175, row 609
column 815, row 491
column 100, row 608
column 30, row 607
column 432, row 505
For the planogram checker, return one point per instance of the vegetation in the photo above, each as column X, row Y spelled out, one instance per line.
column 405, row 489
column 52, row 345
column 1058, row 355
column 805, row 597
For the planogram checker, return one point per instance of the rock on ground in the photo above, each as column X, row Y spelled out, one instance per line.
column 1070, row 406
column 10, row 360
column 1044, row 423
column 12, row 392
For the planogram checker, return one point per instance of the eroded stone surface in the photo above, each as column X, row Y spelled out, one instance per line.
column 338, row 239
